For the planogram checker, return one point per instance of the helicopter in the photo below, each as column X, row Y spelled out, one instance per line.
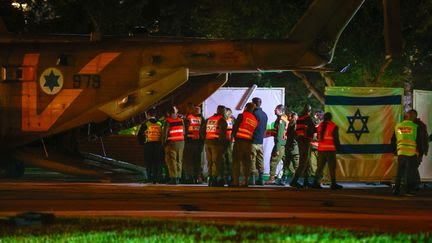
column 53, row 84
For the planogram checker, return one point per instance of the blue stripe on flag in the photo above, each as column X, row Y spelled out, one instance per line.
column 347, row 100
column 366, row 149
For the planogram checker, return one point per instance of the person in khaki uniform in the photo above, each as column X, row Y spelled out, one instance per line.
column 215, row 143
column 194, row 144
column 243, row 130
column 291, row 160
column 226, row 168
column 173, row 136
column 280, row 138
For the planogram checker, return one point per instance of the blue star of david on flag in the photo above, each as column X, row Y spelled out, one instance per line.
column 363, row 129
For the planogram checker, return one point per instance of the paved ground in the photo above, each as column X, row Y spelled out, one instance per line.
column 358, row 207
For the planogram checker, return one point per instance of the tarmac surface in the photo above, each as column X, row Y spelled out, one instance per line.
column 357, row 206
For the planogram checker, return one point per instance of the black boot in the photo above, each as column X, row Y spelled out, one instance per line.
column 281, row 181
column 211, row 181
column 306, row 183
column 294, row 183
column 260, row 180
column 220, row 182
column 316, row 185
column 335, row 186
column 172, row 181
column 252, row 179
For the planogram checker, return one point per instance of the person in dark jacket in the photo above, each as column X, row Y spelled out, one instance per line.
column 423, row 139
column 149, row 135
column 257, row 167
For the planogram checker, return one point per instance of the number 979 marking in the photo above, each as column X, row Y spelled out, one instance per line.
column 86, row 81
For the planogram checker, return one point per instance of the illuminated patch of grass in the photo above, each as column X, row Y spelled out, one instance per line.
column 155, row 230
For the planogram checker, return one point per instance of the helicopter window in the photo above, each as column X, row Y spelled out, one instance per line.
column 156, row 59
column 63, row 60
column 15, row 73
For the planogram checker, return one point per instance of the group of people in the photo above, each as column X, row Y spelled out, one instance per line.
column 234, row 146
column 235, row 154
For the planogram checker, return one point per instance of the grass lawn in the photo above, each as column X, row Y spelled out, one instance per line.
column 157, row 230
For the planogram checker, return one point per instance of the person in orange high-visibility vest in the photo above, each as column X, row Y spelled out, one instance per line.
column 243, row 131
column 226, row 168
column 149, row 136
column 194, row 144
column 215, row 142
column 305, row 128
column 328, row 144
column 173, row 136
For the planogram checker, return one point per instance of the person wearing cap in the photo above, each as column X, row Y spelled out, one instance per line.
column 280, row 137
column 257, row 166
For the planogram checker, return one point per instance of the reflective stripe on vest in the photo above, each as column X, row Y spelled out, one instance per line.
column 212, row 127
column 176, row 130
column 301, row 127
column 327, row 142
column 247, row 126
column 153, row 132
column 406, row 135
column 194, row 126
column 229, row 128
